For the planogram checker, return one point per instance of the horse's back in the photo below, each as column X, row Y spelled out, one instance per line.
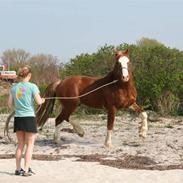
column 74, row 85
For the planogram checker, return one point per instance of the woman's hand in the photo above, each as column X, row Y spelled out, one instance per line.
column 38, row 99
column 43, row 100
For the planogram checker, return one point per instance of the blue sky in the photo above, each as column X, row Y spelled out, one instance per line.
column 66, row 28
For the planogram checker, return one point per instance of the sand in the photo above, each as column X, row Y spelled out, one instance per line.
column 87, row 160
column 69, row 171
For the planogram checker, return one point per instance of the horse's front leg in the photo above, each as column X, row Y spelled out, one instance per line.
column 143, row 125
column 110, row 124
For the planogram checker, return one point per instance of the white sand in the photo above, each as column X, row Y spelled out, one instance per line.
column 163, row 145
column 69, row 171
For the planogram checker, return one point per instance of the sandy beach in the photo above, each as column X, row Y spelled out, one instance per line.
column 159, row 159
column 69, row 171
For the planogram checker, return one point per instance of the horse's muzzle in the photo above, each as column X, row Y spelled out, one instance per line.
column 125, row 79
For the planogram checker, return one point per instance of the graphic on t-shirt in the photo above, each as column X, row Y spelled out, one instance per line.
column 20, row 92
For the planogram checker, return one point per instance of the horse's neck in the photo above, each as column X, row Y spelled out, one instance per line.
column 108, row 78
column 124, row 85
column 111, row 76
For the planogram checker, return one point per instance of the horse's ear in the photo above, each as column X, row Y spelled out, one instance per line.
column 126, row 51
column 115, row 52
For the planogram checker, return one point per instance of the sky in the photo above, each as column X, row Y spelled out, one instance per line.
column 66, row 28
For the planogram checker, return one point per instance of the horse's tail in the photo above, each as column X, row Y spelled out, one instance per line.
column 43, row 111
column 6, row 128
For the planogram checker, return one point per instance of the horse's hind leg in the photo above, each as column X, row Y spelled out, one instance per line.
column 77, row 128
column 69, row 109
column 64, row 116
column 58, row 126
column 143, row 125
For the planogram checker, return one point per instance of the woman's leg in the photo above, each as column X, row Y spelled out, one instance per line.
column 29, row 141
column 19, row 151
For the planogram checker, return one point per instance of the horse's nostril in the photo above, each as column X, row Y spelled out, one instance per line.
column 125, row 78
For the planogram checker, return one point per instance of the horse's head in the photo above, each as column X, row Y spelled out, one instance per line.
column 122, row 65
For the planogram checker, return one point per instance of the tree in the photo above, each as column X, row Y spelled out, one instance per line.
column 96, row 64
column 44, row 68
column 15, row 58
column 157, row 72
column 158, row 77
column 147, row 42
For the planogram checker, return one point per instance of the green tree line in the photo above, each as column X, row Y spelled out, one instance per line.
column 158, row 71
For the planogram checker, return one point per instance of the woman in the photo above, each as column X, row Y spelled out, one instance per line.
column 21, row 98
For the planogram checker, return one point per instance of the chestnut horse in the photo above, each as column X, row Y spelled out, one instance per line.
column 111, row 97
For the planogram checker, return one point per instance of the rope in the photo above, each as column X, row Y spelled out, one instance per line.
column 49, row 98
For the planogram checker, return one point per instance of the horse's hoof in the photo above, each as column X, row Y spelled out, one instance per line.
column 58, row 142
column 81, row 134
column 108, row 145
column 142, row 137
column 79, row 131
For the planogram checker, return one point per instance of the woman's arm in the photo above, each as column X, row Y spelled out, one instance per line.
column 38, row 99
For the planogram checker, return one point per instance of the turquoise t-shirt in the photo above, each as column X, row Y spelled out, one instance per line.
column 23, row 95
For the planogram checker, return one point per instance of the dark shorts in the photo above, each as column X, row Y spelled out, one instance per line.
column 27, row 124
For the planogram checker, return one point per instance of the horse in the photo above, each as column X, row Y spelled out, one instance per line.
column 75, row 90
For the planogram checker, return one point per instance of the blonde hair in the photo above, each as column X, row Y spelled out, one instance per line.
column 23, row 72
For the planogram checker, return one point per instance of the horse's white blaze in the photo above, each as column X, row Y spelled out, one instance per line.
column 124, row 64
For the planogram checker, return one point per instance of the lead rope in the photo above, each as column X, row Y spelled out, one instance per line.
column 49, row 98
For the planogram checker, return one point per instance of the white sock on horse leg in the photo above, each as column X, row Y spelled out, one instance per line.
column 57, row 133
column 108, row 142
column 77, row 127
column 143, row 126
